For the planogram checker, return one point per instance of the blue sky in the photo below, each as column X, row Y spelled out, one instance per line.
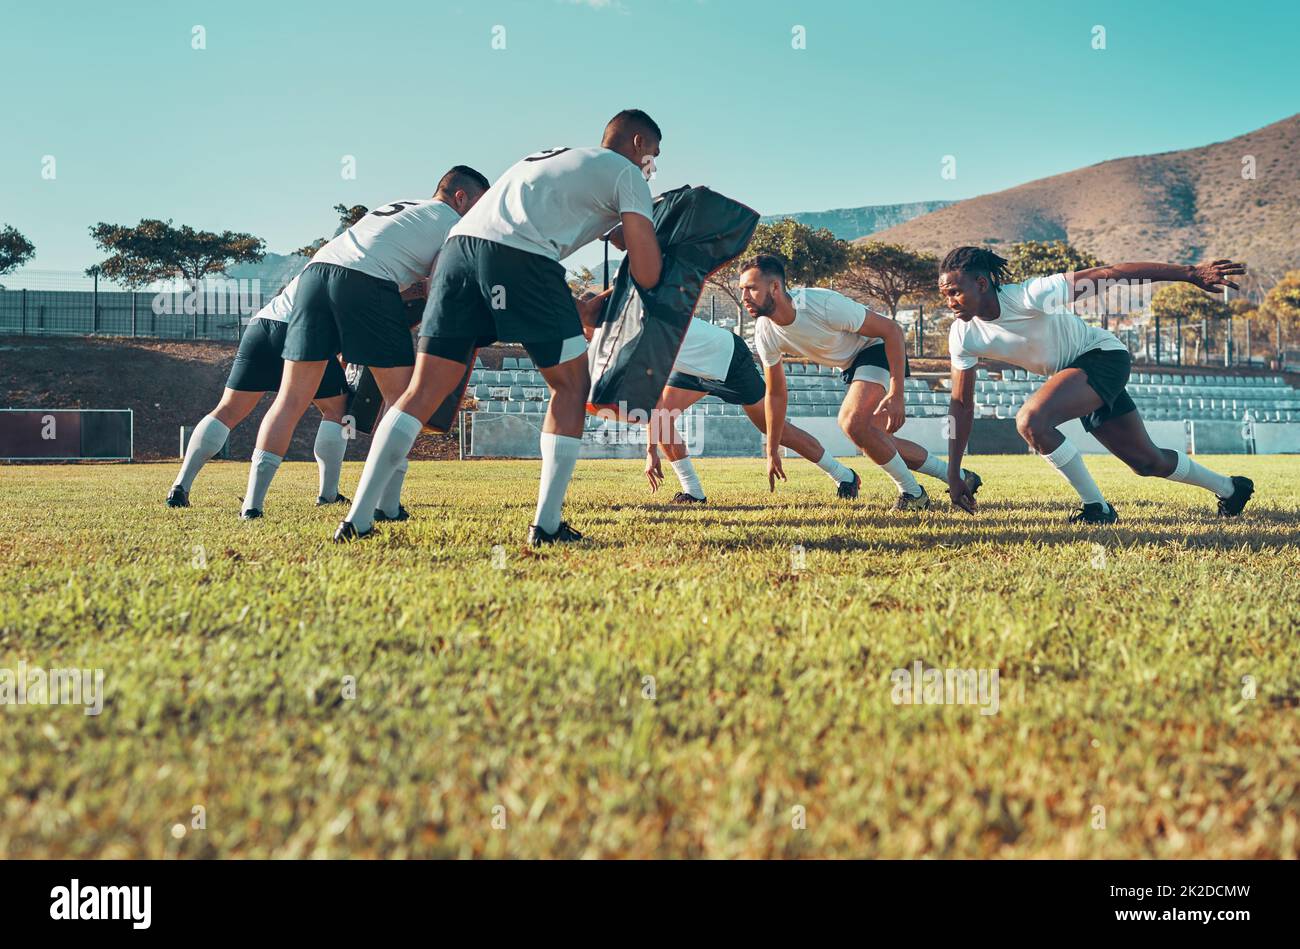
column 249, row 133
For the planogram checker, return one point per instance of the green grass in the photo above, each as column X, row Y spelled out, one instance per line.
column 523, row 689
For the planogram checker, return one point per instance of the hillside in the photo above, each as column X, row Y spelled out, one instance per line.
column 1178, row 206
column 167, row 383
column 850, row 224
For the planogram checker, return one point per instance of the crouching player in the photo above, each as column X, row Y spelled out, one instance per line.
column 257, row 370
column 715, row 361
column 1031, row 325
column 350, row 301
column 831, row 330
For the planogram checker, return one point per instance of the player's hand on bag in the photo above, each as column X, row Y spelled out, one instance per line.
column 1215, row 273
column 893, row 410
column 589, row 307
column 654, row 473
column 959, row 492
column 416, row 291
column 774, row 470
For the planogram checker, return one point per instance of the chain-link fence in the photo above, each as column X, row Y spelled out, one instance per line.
column 75, row 305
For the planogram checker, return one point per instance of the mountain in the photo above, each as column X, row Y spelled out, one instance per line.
column 1178, row 206
column 849, row 224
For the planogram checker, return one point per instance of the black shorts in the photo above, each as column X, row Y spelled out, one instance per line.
column 1107, row 371
column 487, row 292
column 340, row 310
column 744, row 384
column 258, row 364
column 874, row 360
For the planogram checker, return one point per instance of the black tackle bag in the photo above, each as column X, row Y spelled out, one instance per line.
column 640, row 331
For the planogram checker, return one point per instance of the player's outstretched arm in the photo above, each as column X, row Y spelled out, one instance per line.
column 774, row 407
column 1211, row 275
column 892, row 406
column 643, row 254
column 961, row 415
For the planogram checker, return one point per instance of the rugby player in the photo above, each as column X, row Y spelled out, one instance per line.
column 831, row 330
column 715, row 361
column 257, row 369
column 349, row 301
column 1031, row 325
column 500, row 278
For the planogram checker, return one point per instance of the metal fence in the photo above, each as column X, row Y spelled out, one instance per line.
column 112, row 313
column 68, row 312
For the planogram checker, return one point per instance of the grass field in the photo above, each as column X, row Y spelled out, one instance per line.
column 502, row 705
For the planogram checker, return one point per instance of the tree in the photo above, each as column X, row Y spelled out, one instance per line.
column 1182, row 301
column 1027, row 259
column 15, row 250
column 1245, row 312
column 887, row 272
column 810, row 257
column 583, row 281
column 1280, row 312
column 155, row 250
column 347, row 217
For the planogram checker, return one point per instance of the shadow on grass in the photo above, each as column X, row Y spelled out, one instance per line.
column 930, row 532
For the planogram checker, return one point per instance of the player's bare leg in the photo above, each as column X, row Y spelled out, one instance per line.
column 428, row 384
column 663, row 433
column 393, row 383
column 855, row 420
column 1064, row 396
column 298, row 387
column 919, row 459
column 208, row 437
column 330, row 447
column 806, row 444
column 569, row 382
column 1126, row 437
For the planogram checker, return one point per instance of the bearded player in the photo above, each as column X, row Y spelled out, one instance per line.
column 831, row 330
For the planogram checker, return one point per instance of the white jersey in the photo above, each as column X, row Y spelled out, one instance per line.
column 1035, row 330
column 706, row 351
column 553, row 202
column 281, row 304
column 398, row 242
column 825, row 330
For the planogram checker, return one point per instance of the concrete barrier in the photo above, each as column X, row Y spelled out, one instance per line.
column 66, row 434
column 1277, row 438
column 512, row 435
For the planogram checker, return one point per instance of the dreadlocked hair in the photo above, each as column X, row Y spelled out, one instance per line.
column 976, row 260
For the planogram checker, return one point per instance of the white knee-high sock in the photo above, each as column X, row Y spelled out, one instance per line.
column 391, row 502
column 393, row 439
column 902, row 477
column 936, row 466
column 1067, row 460
column 205, row 441
column 331, row 445
column 1189, row 472
column 832, row 466
column 687, row 478
column 260, row 472
column 559, row 455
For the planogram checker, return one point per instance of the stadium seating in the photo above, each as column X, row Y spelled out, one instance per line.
column 816, row 391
